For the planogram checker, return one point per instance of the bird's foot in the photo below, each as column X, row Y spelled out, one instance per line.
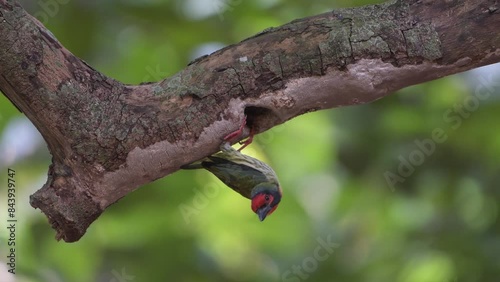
column 247, row 141
column 236, row 134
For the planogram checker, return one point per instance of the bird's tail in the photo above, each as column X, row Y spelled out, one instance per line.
column 195, row 165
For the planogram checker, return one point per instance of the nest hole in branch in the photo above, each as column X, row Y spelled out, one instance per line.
column 260, row 119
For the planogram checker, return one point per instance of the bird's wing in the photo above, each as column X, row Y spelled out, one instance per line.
column 239, row 177
column 237, row 157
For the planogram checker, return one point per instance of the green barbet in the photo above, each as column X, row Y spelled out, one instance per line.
column 250, row 177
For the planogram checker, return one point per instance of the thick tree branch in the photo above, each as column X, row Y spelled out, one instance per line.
column 107, row 138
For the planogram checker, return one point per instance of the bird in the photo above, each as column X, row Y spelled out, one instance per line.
column 250, row 177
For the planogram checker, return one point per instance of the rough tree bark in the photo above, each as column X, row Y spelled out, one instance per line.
column 108, row 138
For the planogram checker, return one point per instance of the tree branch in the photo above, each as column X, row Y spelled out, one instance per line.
column 108, row 138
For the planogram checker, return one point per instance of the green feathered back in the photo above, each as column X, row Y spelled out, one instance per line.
column 238, row 171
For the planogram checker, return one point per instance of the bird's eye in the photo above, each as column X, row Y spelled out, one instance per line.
column 267, row 198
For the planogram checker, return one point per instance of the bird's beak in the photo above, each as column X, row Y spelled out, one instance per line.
column 262, row 212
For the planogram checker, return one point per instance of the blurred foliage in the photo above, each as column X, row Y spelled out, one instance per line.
column 340, row 218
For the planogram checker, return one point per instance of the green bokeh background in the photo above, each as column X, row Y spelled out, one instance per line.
column 439, row 223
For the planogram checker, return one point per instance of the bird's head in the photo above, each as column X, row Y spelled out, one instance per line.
column 265, row 199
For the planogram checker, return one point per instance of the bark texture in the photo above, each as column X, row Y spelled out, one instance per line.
column 108, row 138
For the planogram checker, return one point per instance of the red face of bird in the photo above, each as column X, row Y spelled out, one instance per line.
column 265, row 203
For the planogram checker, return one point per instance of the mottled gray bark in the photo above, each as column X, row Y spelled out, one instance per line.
column 108, row 138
